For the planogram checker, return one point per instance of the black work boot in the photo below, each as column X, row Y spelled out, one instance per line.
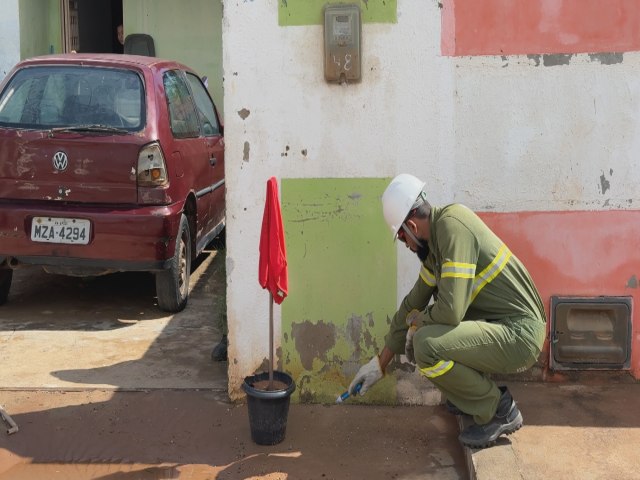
column 507, row 420
column 219, row 352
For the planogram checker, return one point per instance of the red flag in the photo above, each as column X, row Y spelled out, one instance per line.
column 272, row 271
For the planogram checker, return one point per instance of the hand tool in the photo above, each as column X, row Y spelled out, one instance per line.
column 345, row 395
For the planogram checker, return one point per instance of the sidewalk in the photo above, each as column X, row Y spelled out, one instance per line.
column 585, row 432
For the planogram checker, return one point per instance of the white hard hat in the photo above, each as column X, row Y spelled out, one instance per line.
column 399, row 199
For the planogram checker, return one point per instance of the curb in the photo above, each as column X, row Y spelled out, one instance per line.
column 498, row 461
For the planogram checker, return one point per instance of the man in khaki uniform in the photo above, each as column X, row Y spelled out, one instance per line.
column 486, row 315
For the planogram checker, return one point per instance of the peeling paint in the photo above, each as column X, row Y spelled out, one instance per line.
column 604, row 184
column 245, row 151
column 244, row 113
column 633, row 282
column 552, row 60
column 607, row 58
column 535, row 58
column 360, row 336
column 313, row 341
column 305, row 391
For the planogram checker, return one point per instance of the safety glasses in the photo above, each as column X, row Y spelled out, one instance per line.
column 402, row 236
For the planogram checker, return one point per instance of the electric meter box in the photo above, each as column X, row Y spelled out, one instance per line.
column 342, row 41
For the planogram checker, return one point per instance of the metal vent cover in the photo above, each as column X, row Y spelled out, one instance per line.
column 590, row 333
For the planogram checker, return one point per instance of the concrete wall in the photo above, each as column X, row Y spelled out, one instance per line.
column 188, row 32
column 9, row 36
column 543, row 143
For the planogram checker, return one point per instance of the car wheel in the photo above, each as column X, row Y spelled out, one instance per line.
column 6, row 274
column 172, row 285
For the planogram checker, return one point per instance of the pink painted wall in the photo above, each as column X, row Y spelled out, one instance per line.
column 578, row 254
column 509, row 27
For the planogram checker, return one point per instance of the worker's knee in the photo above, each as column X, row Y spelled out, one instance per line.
column 425, row 348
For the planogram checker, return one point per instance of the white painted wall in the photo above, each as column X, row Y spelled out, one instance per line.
column 551, row 134
column 496, row 134
column 9, row 36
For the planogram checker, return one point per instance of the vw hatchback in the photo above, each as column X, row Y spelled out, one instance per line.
column 109, row 163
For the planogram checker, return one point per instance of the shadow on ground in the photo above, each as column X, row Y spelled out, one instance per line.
column 198, row 435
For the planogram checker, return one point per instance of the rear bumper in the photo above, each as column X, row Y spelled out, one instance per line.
column 121, row 239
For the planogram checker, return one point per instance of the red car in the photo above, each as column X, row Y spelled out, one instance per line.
column 109, row 163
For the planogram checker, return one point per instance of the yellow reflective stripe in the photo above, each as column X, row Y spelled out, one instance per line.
column 428, row 277
column 492, row 270
column 458, row 270
column 440, row 368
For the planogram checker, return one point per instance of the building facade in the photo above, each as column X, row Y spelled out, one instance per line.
column 526, row 114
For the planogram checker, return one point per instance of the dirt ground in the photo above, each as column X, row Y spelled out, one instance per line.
column 196, row 435
column 103, row 385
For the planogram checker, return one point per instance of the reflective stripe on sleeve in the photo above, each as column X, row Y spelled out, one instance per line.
column 428, row 277
column 458, row 270
column 440, row 368
column 492, row 270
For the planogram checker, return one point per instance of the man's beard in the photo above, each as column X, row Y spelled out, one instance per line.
column 422, row 251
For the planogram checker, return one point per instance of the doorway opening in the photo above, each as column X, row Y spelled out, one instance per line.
column 91, row 26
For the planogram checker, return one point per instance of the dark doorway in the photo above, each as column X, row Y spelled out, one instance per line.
column 98, row 22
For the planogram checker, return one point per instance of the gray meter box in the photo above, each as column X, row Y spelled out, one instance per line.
column 342, row 38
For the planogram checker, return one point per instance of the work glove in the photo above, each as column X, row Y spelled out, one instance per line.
column 413, row 319
column 368, row 374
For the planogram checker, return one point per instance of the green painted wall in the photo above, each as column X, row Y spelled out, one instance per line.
column 309, row 12
column 189, row 34
column 342, row 284
column 40, row 31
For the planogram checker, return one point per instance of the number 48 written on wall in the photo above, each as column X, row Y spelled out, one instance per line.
column 338, row 60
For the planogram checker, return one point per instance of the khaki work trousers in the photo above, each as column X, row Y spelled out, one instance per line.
column 458, row 359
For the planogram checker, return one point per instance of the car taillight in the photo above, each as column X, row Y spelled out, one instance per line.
column 152, row 169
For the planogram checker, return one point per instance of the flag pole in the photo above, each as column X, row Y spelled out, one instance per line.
column 270, row 341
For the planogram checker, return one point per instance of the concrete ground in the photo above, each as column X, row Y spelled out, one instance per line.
column 103, row 386
column 197, row 435
column 571, row 431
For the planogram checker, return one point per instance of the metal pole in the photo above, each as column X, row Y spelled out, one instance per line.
column 270, row 341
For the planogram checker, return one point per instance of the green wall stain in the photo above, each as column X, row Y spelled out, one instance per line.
column 342, row 285
column 309, row 12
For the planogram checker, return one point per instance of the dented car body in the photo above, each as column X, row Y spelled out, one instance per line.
column 109, row 163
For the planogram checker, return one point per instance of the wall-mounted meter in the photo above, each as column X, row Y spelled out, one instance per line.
column 342, row 32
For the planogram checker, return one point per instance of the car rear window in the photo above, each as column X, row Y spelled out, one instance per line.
column 66, row 96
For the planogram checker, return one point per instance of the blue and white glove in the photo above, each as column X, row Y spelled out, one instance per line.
column 368, row 374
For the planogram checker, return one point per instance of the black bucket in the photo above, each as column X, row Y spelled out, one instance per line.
column 268, row 409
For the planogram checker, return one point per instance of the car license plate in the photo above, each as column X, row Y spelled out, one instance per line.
column 60, row 230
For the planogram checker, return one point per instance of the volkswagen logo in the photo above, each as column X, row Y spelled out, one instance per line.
column 60, row 161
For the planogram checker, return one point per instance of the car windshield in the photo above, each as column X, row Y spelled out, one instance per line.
column 46, row 97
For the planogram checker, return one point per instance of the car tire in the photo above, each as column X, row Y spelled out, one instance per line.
column 6, row 274
column 172, row 285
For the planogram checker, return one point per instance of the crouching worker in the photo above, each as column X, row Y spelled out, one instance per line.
column 486, row 315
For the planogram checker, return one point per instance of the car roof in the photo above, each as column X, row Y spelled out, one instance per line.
column 104, row 59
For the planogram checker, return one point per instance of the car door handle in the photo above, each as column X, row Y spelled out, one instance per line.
column 213, row 160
